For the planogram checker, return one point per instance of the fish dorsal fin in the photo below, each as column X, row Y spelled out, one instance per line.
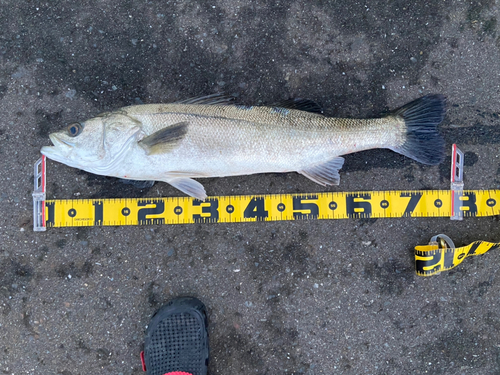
column 300, row 104
column 164, row 140
column 326, row 173
column 213, row 99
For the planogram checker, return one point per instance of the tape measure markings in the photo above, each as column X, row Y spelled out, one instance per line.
column 275, row 207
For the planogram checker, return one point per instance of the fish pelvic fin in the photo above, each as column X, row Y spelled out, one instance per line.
column 188, row 186
column 164, row 140
column 326, row 173
column 423, row 142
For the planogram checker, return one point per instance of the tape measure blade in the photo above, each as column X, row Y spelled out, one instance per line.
column 277, row 207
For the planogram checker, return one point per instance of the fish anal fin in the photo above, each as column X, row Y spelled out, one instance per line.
column 188, row 186
column 326, row 173
column 300, row 104
column 164, row 140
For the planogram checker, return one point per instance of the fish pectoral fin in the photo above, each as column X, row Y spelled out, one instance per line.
column 326, row 173
column 164, row 140
column 189, row 186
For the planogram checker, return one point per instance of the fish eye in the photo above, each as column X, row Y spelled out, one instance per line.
column 74, row 129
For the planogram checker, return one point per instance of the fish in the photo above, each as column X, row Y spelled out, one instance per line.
column 211, row 136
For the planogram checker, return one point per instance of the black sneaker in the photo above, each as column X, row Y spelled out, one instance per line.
column 177, row 339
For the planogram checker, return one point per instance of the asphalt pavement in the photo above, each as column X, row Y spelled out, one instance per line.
column 294, row 297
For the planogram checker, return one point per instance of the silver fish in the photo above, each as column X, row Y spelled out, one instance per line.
column 209, row 137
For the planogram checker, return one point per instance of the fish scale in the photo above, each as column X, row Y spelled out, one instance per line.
column 259, row 141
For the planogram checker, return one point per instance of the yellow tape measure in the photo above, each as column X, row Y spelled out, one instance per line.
column 442, row 255
column 279, row 207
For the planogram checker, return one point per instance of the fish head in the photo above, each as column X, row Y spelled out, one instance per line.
column 94, row 145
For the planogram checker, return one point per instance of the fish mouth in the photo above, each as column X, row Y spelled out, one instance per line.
column 59, row 150
column 60, row 142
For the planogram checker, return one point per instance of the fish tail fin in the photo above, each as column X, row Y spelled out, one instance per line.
column 422, row 116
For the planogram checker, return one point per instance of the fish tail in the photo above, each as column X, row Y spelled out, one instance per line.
column 423, row 142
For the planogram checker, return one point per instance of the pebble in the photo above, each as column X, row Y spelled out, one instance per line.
column 20, row 73
column 170, row 252
column 70, row 94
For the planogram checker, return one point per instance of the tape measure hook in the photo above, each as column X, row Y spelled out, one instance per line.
column 443, row 241
column 457, row 183
column 39, row 196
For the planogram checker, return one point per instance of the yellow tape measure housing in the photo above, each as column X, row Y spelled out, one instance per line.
column 278, row 207
column 432, row 259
